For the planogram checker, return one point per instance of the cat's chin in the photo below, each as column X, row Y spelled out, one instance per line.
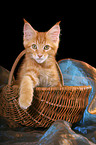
column 40, row 60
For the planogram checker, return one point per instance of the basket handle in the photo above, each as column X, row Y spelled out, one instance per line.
column 60, row 74
column 14, row 66
column 16, row 62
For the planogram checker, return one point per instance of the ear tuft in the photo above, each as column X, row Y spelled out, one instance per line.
column 25, row 21
column 58, row 23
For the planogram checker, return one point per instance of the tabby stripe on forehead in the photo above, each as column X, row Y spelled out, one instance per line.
column 41, row 38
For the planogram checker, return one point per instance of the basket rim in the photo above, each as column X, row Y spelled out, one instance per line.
column 63, row 88
column 54, row 88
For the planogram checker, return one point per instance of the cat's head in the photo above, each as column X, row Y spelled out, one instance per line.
column 41, row 45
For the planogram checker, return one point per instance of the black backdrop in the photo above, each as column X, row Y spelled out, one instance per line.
column 77, row 38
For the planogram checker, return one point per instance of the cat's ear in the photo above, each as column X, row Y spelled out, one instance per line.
column 54, row 32
column 29, row 31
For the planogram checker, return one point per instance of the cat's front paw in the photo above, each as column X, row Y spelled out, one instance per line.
column 25, row 100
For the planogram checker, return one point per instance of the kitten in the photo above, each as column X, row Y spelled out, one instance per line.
column 39, row 67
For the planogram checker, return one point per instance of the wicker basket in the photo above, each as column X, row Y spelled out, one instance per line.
column 49, row 104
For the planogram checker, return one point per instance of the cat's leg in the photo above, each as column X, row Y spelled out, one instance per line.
column 26, row 91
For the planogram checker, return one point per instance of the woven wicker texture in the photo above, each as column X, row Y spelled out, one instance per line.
column 49, row 104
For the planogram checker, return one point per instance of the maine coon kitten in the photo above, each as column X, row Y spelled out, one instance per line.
column 38, row 68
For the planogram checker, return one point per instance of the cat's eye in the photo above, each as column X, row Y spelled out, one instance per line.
column 46, row 47
column 34, row 46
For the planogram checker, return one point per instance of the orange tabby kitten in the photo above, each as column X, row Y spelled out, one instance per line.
column 39, row 68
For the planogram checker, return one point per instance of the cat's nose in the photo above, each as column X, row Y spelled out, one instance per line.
column 40, row 55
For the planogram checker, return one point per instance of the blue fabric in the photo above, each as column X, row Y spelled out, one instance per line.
column 60, row 132
column 77, row 73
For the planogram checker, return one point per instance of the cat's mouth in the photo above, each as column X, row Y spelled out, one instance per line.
column 40, row 60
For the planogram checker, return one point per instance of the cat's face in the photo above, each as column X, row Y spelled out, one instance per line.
column 41, row 45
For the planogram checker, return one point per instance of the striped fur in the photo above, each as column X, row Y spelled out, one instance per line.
column 38, row 68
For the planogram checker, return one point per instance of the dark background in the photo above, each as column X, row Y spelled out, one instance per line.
column 77, row 38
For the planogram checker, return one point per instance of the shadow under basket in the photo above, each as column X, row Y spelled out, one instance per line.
column 49, row 104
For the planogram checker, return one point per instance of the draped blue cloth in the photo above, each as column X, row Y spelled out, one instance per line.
column 79, row 73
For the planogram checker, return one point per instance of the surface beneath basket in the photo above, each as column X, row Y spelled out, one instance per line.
column 59, row 132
